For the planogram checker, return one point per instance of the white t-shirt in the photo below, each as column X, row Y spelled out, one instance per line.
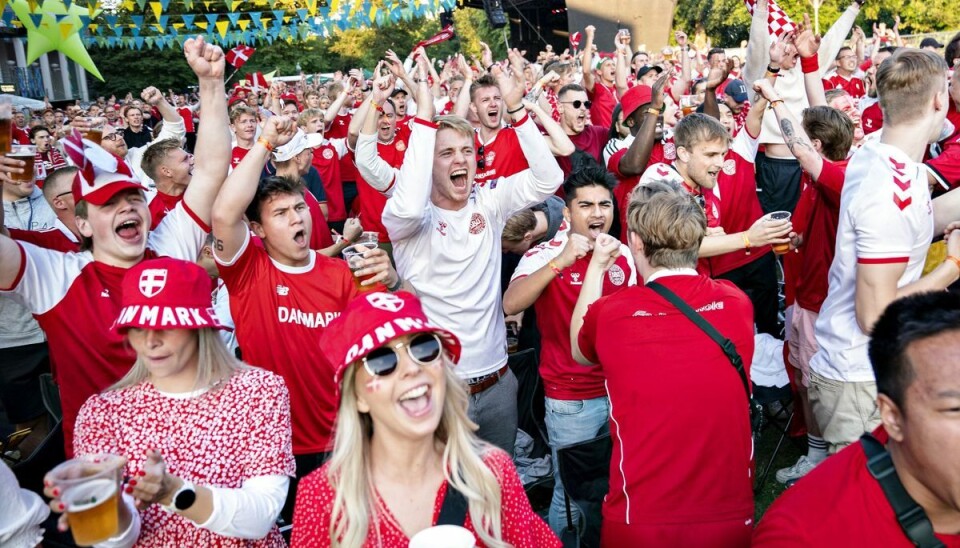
column 452, row 258
column 886, row 216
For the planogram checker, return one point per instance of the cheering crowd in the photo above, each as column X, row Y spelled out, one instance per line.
column 289, row 304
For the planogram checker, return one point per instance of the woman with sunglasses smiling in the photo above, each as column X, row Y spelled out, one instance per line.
column 404, row 452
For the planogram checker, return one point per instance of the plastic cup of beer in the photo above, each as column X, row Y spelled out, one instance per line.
column 369, row 237
column 27, row 154
column 688, row 104
column 6, row 125
column 443, row 536
column 94, row 131
column 354, row 257
column 90, row 491
column 777, row 216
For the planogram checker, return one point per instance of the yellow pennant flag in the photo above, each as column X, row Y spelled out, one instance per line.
column 159, row 28
column 157, row 8
column 222, row 27
column 32, row 4
column 65, row 30
column 244, row 23
column 129, row 6
column 207, row 5
column 201, row 24
column 311, row 7
column 235, row 4
column 334, row 5
column 373, row 12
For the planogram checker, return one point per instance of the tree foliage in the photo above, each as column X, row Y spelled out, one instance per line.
column 727, row 22
column 132, row 70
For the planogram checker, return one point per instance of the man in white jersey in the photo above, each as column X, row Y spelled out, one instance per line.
column 76, row 296
column 446, row 237
column 887, row 221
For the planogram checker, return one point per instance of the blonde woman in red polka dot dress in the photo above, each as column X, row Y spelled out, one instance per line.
column 207, row 439
column 403, row 441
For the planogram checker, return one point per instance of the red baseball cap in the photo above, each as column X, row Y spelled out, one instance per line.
column 101, row 175
column 634, row 98
column 373, row 319
column 166, row 294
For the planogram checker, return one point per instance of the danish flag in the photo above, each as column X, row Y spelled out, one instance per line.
column 239, row 55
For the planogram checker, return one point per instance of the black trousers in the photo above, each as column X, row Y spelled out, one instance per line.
column 778, row 183
column 20, row 370
column 759, row 281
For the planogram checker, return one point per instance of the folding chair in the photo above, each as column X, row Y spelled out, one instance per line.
column 530, row 419
column 767, row 395
column 585, row 473
column 50, row 452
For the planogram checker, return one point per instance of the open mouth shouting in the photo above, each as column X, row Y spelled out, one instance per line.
column 596, row 229
column 417, row 401
column 130, row 231
column 459, row 179
column 300, row 238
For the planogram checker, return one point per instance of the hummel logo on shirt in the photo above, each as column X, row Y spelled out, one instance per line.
column 105, row 293
column 283, row 290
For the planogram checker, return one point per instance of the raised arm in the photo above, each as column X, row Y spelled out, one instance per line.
column 683, row 83
column 717, row 76
column 334, row 109
column 229, row 228
column 808, row 45
column 635, row 160
column 399, row 71
column 755, row 61
column 605, row 253
column 622, row 69
column 557, row 139
column 833, row 39
column 374, row 169
column 213, row 136
column 586, row 63
column 462, row 102
column 524, row 290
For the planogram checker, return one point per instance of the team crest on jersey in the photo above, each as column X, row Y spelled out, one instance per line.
column 477, row 223
column 490, row 157
column 670, row 151
column 616, row 275
column 152, row 281
column 729, row 166
column 385, row 302
column 401, row 146
column 328, row 154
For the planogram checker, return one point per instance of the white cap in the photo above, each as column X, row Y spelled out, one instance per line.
column 296, row 145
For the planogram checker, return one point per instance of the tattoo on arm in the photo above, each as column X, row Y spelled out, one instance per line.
column 791, row 138
column 218, row 244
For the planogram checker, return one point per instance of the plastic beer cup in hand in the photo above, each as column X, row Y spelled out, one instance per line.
column 6, row 125
column 90, row 492
column 369, row 237
column 27, row 154
column 779, row 249
column 354, row 257
column 688, row 104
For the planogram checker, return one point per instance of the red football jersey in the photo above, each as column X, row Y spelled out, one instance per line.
column 625, row 184
column 76, row 299
column 160, row 205
column 320, row 236
column 279, row 312
column 591, row 140
column 338, row 130
column 502, row 157
column 236, row 156
column 604, row 101
column 371, row 200
column 853, row 85
column 646, row 348
column 326, row 158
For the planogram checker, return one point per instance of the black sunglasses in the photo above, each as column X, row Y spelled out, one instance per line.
column 423, row 349
column 481, row 162
column 578, row 103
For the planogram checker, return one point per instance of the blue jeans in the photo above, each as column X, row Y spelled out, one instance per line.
column 572, row 421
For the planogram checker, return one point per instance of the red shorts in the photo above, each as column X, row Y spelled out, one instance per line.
column 713, row 534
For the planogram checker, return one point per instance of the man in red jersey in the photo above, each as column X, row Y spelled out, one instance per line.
column 283, row 293
column 600, row 85
column 75, row 296
column 550, row 277
column 914, row 356
column 658, row 445
column 846, row 78
column 821, row 145
column 243, row 122
column 573, row 119
column 326, row 160
column 170, row 167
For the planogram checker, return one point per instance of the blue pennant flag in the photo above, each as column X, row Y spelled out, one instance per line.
column 278, row 15
column 255, row 17
column 111, row 20
column 36, row 17
column 188, row 20
column 138, row 41
column 212, row 19
column 137, row 20
column 233, row 16
column 163, row 20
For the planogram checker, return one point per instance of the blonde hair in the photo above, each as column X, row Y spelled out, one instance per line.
column 349, row 473
column 456, row 123
column 669, row 223
column 214, row 363
column 907, row 81
column 518, row 225
column 307, row 114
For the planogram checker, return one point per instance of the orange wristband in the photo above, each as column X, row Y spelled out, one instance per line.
column 266, row 144
column 954, row 260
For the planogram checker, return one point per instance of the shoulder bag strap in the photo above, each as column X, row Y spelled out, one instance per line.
column 454, row 508
column 725, row 344
column 914, row 521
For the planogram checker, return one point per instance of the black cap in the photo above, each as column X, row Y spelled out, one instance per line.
column 647, row 68
column 398, row 91
column 930, row 43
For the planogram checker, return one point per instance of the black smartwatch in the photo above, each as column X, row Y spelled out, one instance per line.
column 183, row 498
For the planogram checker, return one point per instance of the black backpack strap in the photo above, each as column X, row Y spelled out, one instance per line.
column 454, row 508
column 725, row 344
column 913, row 520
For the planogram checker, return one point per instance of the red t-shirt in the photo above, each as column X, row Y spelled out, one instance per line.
column 591, row 140
column 519, row 525
column 604, row 101
column 871, row 119
column 946, row 167
column 320, row 237
column 160, row 205
column 236, row 156
column 626, row 184
column 502, row 156
column 563, row 377
column 649, row 352
column 338, row 130
column 21, row 136
column 326, row 158
column 854, row 86
column 818, row 217
column 280, row 312
column 187, row 116
column 51, row 238
column 837, row 504
column 737, row 202
column 953, row 114
column 76, row 300
column 371, row 200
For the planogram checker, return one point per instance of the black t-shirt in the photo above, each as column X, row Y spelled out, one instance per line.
column 134, row 139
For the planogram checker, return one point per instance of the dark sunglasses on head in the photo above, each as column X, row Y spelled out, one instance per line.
column 578, row 103
column 423, row 349
column 481, row 161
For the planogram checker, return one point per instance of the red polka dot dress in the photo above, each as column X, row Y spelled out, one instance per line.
column 216, row 439
column 520, row 526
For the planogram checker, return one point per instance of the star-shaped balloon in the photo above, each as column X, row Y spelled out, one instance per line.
column 55, row 27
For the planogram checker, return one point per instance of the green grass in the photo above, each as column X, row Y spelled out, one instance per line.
column 790, row 451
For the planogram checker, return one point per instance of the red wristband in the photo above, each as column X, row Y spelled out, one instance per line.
column 809, row 64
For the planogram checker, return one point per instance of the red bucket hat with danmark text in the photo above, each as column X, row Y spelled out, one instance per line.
column 166, row 294
column 372, row 320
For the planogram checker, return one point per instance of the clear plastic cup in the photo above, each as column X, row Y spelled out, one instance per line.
column 354, row 257
column 779, row 249
column 90, row 490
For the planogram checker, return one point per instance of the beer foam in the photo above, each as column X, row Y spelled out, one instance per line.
column 91, row 494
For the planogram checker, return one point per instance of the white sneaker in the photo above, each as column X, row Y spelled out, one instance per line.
column 799, row 469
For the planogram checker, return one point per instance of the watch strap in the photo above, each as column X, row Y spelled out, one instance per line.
column 186, row 487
